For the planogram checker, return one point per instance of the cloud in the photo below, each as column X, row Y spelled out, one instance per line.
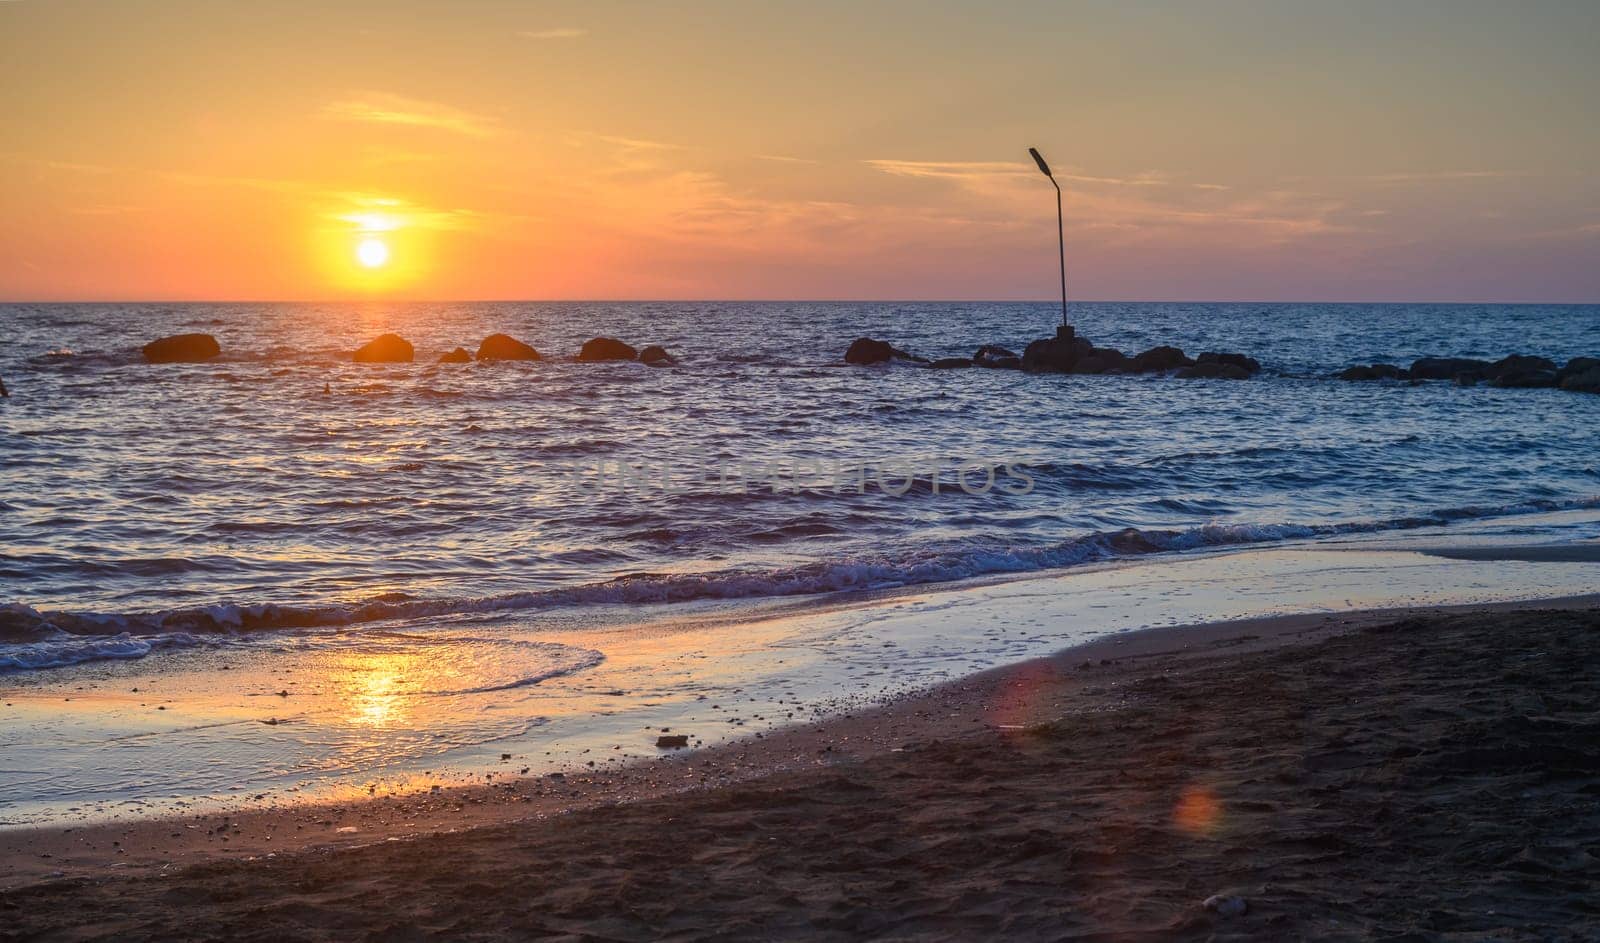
column 1442, row 176
column 639, row 144
column 370, row 213
column 561, row 32
column 779, row 158
column 381, row 108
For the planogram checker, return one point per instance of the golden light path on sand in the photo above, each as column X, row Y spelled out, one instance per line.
column 383, row 710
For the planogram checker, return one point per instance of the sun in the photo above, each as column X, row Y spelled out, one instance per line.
column 373, row 253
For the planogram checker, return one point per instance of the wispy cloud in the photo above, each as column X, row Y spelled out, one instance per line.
column 639, row 144
column 967, row 170
column 782, row 159
column 381, row 108
column 560, row 32
column 1442, row 176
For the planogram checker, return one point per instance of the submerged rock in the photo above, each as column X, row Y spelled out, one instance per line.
column 606, row 348
column 1378, row 371
column 3, row 390
column 1162, row 358
column 657, row 357
column 996, row 357
column 182, row 348
column 1520, row 363
column 1213, row 371
column 386, row 348
column 459, row 355
column 865, row 351
column 951, row 363
column 505, row 347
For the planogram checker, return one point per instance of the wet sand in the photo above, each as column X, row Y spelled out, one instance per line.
column 1371, row 774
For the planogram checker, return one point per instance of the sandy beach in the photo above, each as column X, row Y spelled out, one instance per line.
column 1413, row 774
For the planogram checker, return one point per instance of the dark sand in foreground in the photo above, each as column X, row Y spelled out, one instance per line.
column 1395, row 776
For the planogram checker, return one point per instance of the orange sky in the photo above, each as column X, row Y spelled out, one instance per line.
column 1228, row 150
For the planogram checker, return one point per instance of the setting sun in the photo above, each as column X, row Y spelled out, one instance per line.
column 373, row 253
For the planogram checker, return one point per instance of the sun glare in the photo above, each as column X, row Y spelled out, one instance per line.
column 372, row 253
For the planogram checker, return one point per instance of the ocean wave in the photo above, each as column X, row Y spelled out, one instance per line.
column 122, row 633
column 59, row 649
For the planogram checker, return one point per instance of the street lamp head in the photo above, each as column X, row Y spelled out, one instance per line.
column 1044, row 168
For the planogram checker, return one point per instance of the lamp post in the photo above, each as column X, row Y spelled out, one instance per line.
column 1061, row 233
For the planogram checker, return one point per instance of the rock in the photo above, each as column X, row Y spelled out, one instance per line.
column 386, row 348
column 1055, row 354
column 1213, row 371
column 676, row 741
column 995, row 357
column 606, row 348
column 1248, row 364
column 656, row 357
column 1524, row 379
column 1225, row 905
column 182, row 348
column 1519, row 363
column 1469, row 378
column 1445, row 368
column 505, row 347
column 3, row 390
column 865, row 351
column 951, row 363
column 1576, row 367
column 1378, row 371
column 1103, row 360
column 1161, row 358
column 459, row 355
column 1586, row 382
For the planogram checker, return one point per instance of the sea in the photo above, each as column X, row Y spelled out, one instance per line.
column 283, row 503
column 283, row 487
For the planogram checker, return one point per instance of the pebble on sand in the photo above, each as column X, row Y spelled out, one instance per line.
column 1224, row 905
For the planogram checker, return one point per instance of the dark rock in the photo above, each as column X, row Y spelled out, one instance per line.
column 656, row 357
column 951, row 363
column 1445, row 368
column 1378, row 371
column 606, row 348
column 386, row 348
column 504, row 347
column 865, row 351
column 182, row 348
column 1576, row 367
column 675, row 741
column 1469, row 378
column 1161, row 358
column 459, row 355
column 1103, row 360
column 1586, row 382
column 1524, row 379
column 1247, row 364
column 1519, row 364
column 995, row 357
column 3, row 390
column 1055, row 354
column 1213, row 371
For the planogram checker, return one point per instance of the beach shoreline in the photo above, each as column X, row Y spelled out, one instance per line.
column 1095, row 677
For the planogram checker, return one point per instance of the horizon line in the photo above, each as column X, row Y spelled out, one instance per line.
column 994, row 301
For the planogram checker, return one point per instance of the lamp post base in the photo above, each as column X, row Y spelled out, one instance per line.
column 1065, row 332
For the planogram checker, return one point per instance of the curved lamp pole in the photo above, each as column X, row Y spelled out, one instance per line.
column 1061, row 234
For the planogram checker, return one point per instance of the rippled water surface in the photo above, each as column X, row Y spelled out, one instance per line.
column 283, row 485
